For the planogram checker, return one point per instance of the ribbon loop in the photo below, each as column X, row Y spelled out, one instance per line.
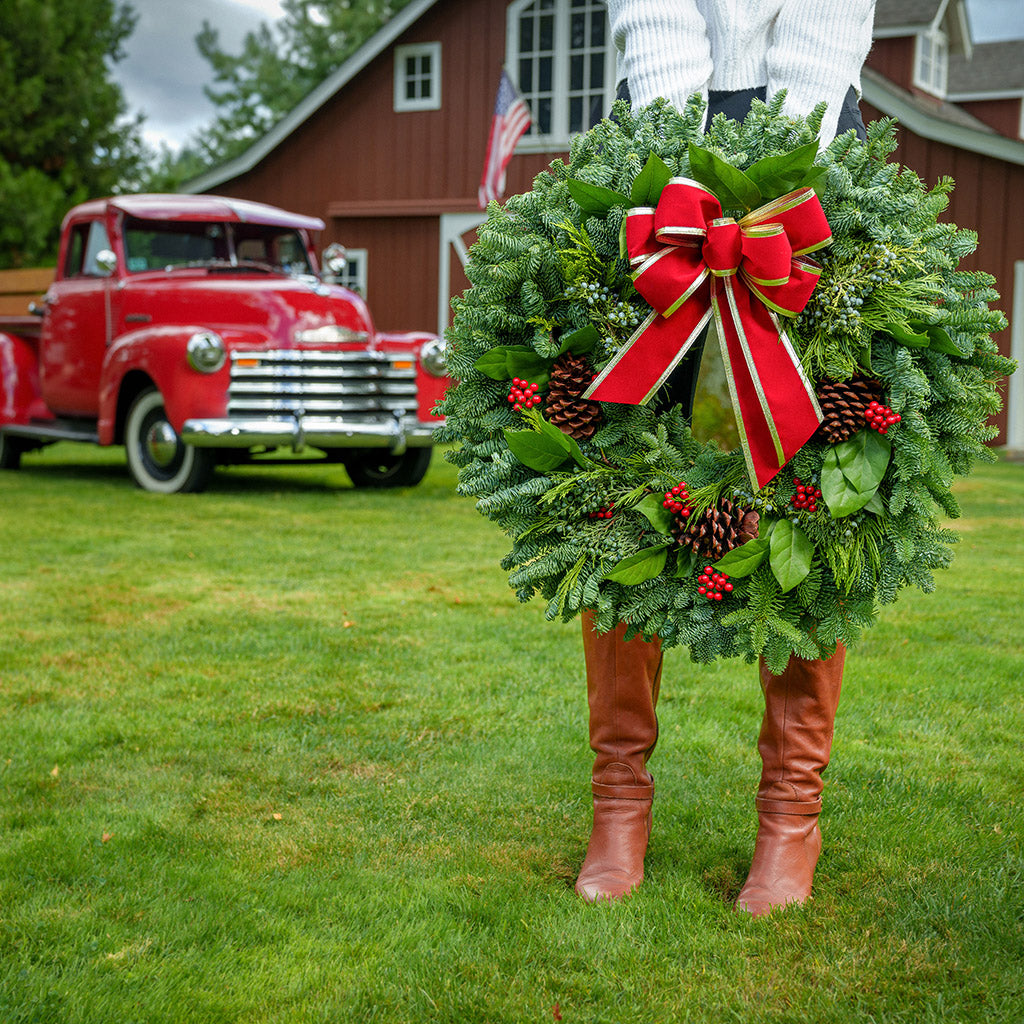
column 691, row 264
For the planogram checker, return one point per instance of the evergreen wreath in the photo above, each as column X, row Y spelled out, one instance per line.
column 618, row 508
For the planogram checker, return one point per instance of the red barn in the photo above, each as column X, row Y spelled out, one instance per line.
column 389, row 149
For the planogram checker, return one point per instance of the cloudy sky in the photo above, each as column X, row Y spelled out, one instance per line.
column 163, row 75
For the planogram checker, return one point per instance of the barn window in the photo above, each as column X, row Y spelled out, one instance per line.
column 354, row 273
column 931, row 62
column 418, row 77
column 560, row 53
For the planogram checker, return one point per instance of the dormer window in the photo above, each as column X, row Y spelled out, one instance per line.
column 560, row 55
column 931, row 62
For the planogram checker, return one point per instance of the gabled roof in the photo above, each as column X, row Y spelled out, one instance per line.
column 371, row 49
column 898, row 18
column 995, row 71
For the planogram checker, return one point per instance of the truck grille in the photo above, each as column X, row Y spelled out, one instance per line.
column 361, row 387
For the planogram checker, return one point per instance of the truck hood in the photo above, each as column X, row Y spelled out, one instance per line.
column 279, row 312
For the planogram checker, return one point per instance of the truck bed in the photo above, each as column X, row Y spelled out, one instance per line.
column 27, row 326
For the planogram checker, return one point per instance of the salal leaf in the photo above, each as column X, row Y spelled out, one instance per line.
column 650, row 181
column 852, row 471
column 581, row 341
column 503, row 362
column 595, row 199
column 536, row 450
column 652, row 509
column 742, row 561
column 639, row 567
column 729, row 184
column 790, row 555
column 563, row 441
column 777, row 175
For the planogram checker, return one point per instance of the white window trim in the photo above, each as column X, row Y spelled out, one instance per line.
column 938, row 81
column 358, row 283
column 1015, row 397
column 1020, row 127
column 559, row 137
column 402, row 53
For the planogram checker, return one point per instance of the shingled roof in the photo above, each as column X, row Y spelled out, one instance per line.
column 995, row 71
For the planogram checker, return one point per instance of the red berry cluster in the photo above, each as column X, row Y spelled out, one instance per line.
column 523, row 395
column 676, row 499
column 881, row 417
column 806, row 497
column 713, row 585
column 604, row 512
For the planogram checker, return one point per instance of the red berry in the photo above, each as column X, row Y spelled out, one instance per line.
column 717, row 597
column 727, row 587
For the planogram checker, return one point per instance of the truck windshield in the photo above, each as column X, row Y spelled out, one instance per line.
column 151, row 245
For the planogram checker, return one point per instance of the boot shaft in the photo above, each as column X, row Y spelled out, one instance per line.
column 796, row 734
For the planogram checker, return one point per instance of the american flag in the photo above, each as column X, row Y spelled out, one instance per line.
column 511, row 119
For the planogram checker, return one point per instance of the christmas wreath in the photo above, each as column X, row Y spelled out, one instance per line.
column 861, row 380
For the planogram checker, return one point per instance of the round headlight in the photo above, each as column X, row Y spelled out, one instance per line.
column 432, row 357
column 206, row 352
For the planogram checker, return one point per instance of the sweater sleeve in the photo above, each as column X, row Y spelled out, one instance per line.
column 664, row 47
column 817, row 50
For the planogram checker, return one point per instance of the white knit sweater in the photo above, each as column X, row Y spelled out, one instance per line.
column 812, row 48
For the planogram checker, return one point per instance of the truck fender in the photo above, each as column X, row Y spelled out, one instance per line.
column 158, row 355
column 20, row 397
column 430, row 386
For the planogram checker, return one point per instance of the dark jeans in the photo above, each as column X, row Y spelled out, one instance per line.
column 681, row 387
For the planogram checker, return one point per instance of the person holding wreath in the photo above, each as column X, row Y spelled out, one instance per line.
column 730, row 51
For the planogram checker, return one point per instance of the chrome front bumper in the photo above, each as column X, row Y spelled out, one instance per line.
column 298, row 432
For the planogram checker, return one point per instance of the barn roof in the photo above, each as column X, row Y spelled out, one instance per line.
column 372, row 48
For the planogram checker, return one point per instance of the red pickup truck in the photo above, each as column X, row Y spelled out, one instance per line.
column 197, row 330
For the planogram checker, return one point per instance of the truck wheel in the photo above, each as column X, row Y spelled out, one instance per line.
column 158, row 458
column 373, row 469
column 10, row 452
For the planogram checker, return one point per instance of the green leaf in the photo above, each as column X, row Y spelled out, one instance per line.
column 777, row 175
column 595, row 199
column 864, row 458
column 742, row 561
column 581, row 341
column 905, row 335
column 652, row 509
column 791, row 554
column 640, row 567
column 942, row 342
column 875, row 506
column 494, row 364
column 536, row 450
column 852, row 471
column 685, row 561
column 563, row 441
column 729, row 184
column 525, row 363
column 650, row 181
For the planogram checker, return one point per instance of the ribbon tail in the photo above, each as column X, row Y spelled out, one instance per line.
column 776, row 410
column 637, row 371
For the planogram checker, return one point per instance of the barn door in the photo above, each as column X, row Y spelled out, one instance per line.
column 458, row 232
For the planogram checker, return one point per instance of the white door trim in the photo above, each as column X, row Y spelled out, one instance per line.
column 453, row 227
column 1015, row 394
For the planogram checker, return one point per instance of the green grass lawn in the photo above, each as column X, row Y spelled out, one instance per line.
column 290, row 752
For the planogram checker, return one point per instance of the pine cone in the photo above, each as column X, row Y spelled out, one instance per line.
column 570, row 377
column 842, row 404
column 717, row 530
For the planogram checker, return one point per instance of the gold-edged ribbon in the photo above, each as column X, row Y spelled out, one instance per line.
column 693, row 264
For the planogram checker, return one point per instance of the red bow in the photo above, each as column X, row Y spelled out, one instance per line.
column 692, row 264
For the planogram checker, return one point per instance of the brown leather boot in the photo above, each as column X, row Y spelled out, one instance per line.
column 795, row 745
column 622, row 689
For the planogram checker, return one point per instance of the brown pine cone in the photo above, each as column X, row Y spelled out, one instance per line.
column 842, row 404
column 570, row 377
column 717, row 530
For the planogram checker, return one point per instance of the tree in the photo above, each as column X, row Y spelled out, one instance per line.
column 278, row 66
column 64, row 135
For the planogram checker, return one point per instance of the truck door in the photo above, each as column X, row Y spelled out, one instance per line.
column 75, row 329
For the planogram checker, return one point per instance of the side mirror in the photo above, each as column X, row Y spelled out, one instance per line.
column 334, row 259
column 106, row 261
